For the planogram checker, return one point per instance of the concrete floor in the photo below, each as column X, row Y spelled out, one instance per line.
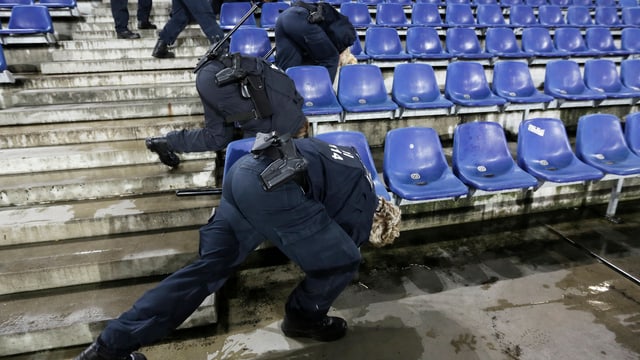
column 508, row 289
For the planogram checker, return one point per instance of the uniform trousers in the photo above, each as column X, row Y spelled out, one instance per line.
column 182, row 12
column 120, row 12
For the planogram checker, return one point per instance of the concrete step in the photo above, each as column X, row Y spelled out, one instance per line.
column 97, row 66
column 107, row 34
column 48, row 114
column 140, row 52
column 95, row 218
column 65, row 264
column 61, row 81
column 101, row 44
column 75, row 317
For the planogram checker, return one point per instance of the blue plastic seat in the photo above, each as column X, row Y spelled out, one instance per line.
column 232, row 12
column 391, row 14
column 551, row 16
column 628, row 3
column 415, row 87
column 535, row 3
column 415, row 168
column 359, row 141
column 27, row 20
column 630, row 40
column 632, row 132
column 371, row 3
column 481, row 158
column 600, row 39
column 361, row 88
column 270, row 12
column 587, row 3
column 8, row 4
column 484, row 2
column 561, row 3
column 563, row 80
column 579, row 16
column 235, row 150
column 463, row 43
column 510, row 3
column 459, row 15
column 402, row 2
column 631, row 16
column 538, row 41
column 502, row 42
column 512, row 81
column 251, row 41
column 424, row 42
column 437, row 2
column 466, row 84
column 316, row 88
column 605, row 3
column 602, row 76
column 426, row 14
column 600, row 142
column 630, row 73
column 544, row 151
column 56, row 4
column 358, row 14
column 607, row 16
column 383, row 43
column 522, row 16
column 570, row 41
column 490, row 15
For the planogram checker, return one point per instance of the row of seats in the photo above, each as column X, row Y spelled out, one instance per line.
column 503, row 3
column 48, row 3
column 28, row 24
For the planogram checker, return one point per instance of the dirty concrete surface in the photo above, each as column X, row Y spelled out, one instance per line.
column 505, row 289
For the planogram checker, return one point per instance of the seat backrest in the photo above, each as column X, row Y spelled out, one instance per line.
column 358, row 13
column 12, row 3
column 512, row 78
column 414, row 153
column 631, row 16
column 251, row 41
column 466, row 79
column 630, row 73
column 630, row 39
column 382, row 40
column 605, row 3
column 579, row 15
column 356, row 139
column 628, row 3
column 551, row 15
column 361, row 83
column 232, row 12
column 501, row 40
column 425, row 14
column 235, row 150
column 391, row 14
column 509, row 3
column 415, row 81
column 270, row 13
column 607, row 15
column 599, row 38
column 587, row 3
column 563, row 76
column 522, row 15
column 490, row 14
column 33, row 17
column 543, row 139
column 459, row 14
column 481, row 147
column 561, row 3
column 537, row 40
column 600, row 136
column 632, row 132
column 601, row 75
column 569, row 39
column 58, row 3
column 462, row 41
column 423, row 40
column 313, row 83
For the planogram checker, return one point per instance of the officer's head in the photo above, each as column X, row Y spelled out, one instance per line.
column 385, row 227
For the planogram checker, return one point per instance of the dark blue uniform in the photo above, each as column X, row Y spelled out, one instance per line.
column 120, row 12
column 184, row 11
column 319, row 230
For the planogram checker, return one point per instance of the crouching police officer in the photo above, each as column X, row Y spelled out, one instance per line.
column 313, row 200
column 238, row 92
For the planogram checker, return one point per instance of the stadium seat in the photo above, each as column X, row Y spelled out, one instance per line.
column 5, row 75
column 415, row 168
column 426, row 14
column 600, row 39
column 316, row 88
column 605, row 3
column 607, row 16
column 383, row 43
column 481, row 158
column 359, row 141
column 501, row 42
column 510, row 3
column 423, row 42
column 630, row 73
column 358, row 14
column 361, row 88
column 31, row 23
column 415, row 87
column 459, row 15
column 632, row 132
column 561, row 3
column 402, row 2
column 232, row 12
column 235, row 150
column 512, row 81
column 602, row 76
column 391, row 14
column 484, row 2
column 490, row 15
column 551, row 16
column 9, row 4
column 544, row 151
column 535, row 3
column 631, row 16
column 468, row 2
column 463, row 43
column 436, row 2
column 630, row 40
column 270, row 12
column 569, row 40
column 251, row 41
column 587, row 3
column 522, row 16
column 371, row 3
column 579, row 16
column 466, row 84
column 56, row 4
column 563, row 80
column 628, row 3
column 538, row 41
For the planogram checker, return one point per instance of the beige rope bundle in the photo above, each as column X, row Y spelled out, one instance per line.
column 386, row 220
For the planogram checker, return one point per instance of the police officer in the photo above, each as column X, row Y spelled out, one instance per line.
column 120, row 12
column 317, row 208
column 257, row 98
column 312, row 34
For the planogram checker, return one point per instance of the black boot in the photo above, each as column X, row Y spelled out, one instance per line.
column 161, row 51
column 330, row 328
column 93, row 353
column 146, row 25
column 160, row 146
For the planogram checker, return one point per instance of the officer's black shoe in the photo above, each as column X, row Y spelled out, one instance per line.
column 160, row 146
column 161, row 51
column 92, row 353
column 146, row 25
column 128, row 34
column 330, row 328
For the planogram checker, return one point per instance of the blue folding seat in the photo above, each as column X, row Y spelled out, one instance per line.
column 630, row 40
column 55, row 4
column 270, row 12
column 359, row 141
column 510, row 3
column 481, row 158
column 468, row 2
column 544, row 151
column 436, row 2
column 459, row 15
column 551, row 16
column 502, row 42
column 490, row 15
column 358, row 52
column 587, row 3
column 628, row 3
column 415, row 87
column 538, row 41
column 391, row 14
column 563, row 80
column 602, row 76
column 235, row 150
column 251, row 41
column 579, row 16
column 371, row 3
column 466, row 84
column 463, row 43
column 631, row 16
column 561, row 3
column 232, row 12
column 600, row 39
column 316, row 88
column 415, row 167
column 8, row 4
column 522, row 16
column 383, row 43
column 26, row 20
column 605, row 3
column 600, row 142
column 426, row 14
column 402, row 2
column 630, row 73
column 512, row 81
column 607, row 16
column 423, row 42
column 535, row 3
column 484, row 2
column 358, row 14
column 632, row 132
column 361, row 88
column 569, row 40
